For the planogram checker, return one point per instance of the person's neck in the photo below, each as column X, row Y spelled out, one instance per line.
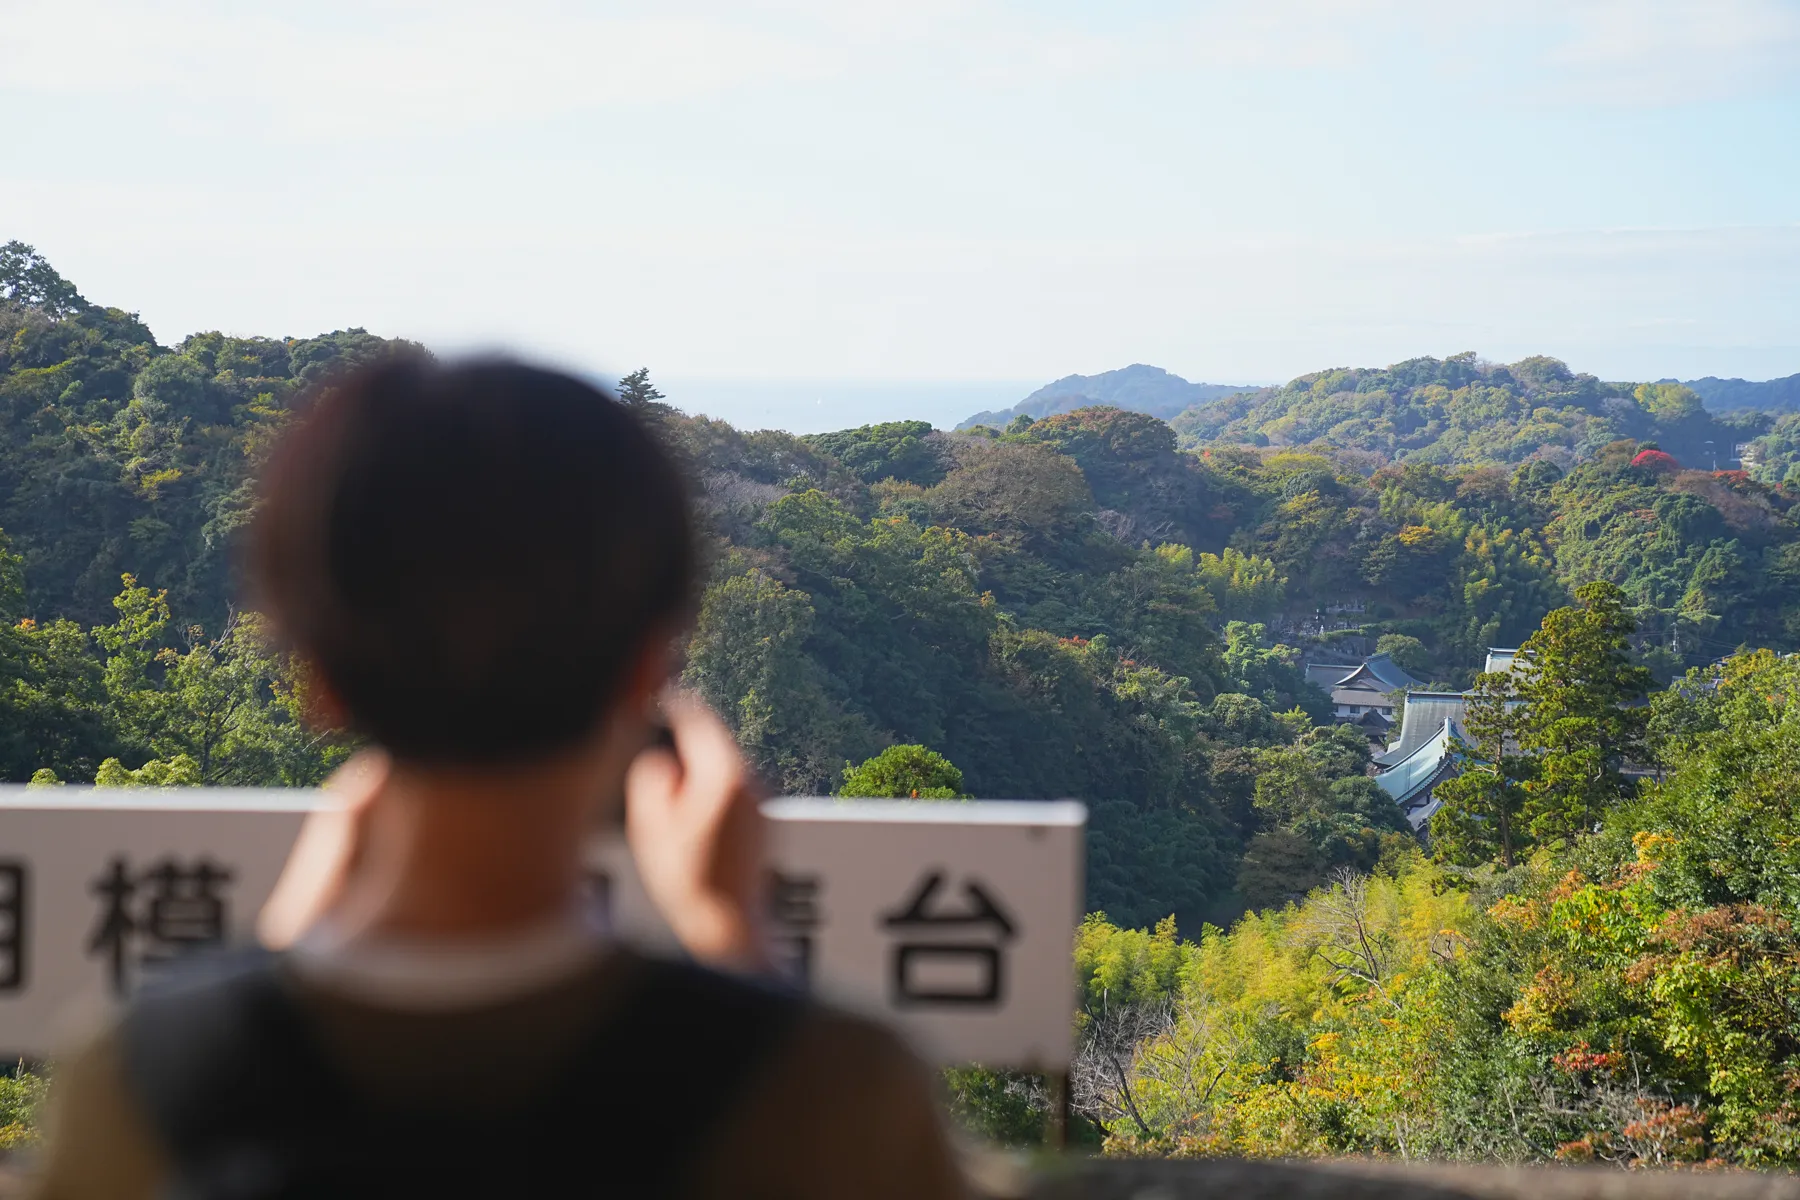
column 461, row 853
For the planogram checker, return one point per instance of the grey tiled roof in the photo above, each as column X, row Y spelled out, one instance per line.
column 1412, row 780
column 1388, row 675
column 1425, row 715
column 1404, row 778
column 1325, row 676
column 1391, row 673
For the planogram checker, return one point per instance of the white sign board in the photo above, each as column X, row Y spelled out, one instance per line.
column 952, row 921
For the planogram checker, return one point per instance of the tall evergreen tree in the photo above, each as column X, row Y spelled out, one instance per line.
column 1583, row 717
column 1479, row 821
column 637, row 392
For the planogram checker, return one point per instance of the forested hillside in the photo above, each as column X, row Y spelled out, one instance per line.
column 1069, row 606
column 1774, row 457
column 1625, row 993
column 1727, row 395
column 117, row 454
column 1462, row 410
column 1589, row 965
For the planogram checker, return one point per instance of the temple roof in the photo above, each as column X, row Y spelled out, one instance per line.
column 1410, row 779
column 1378, row 672
column 1423, row 719
column 1324, row 676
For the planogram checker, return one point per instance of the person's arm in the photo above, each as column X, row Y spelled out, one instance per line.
column 691, row 820
column 696, row 835
column 323, row 854
column 847, row 1110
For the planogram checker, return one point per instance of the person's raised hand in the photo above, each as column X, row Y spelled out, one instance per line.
column 694, row 828
column 324, row 852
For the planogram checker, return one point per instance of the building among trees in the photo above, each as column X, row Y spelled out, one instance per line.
column 1363, row 693
column 1430, row 747
column 1425, row 754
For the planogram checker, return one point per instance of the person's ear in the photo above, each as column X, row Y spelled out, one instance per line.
column 656, row 665
column 320, row 703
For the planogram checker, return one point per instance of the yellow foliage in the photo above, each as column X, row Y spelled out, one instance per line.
column 1418, row 535
column 1541, row 1003
column 151, row 482
column 1369, row 1038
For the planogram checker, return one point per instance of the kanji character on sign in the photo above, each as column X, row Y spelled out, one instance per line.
column 793, row 917
column 949, row 956
column 13, row 929
column 162, row 912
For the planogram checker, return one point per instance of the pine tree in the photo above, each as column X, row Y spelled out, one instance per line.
column 1582, row 717
column 635, row 391
column 1479, row 820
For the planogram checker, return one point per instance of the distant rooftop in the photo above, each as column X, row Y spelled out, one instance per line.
column 1412, row 778
column 1425, row 753
column 1422, row 721
column 1378, row 670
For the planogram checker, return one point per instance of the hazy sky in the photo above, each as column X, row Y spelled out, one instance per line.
column 906, row 191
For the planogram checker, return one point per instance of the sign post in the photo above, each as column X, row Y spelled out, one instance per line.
column 951, row 920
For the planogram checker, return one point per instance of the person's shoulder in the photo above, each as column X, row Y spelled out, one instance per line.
column 103, row 1139
column 750, row 1015
column 188, row 1033
column 838, row 1042
column 845, row 1108
column 813, row 1037
column 99, row 1141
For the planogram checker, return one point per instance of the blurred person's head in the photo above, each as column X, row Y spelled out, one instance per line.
column 480, row 562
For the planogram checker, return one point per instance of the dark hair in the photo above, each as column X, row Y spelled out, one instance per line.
column 471, row 555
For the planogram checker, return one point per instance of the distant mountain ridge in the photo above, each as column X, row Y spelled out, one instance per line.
column 1463, row 409
column 1147, row 389
column 1137, row 388
column 1733, row 395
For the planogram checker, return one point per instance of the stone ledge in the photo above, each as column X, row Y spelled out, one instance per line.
column 1342, row 1180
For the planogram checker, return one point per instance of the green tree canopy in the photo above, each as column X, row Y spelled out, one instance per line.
column 27, row 278
column 1406, row 650
column 1582, row 718
column 902, row 772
